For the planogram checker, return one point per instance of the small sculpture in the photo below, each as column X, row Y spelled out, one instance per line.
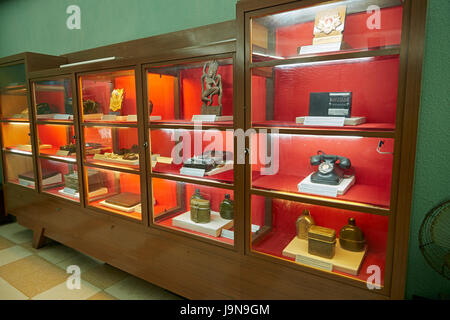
column 115, row 103
column 90, row 107
column 150, row 107
column 211, row 86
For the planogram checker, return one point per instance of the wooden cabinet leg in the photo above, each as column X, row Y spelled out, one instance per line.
column 38, row 238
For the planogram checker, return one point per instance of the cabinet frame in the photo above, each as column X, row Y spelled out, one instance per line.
column 132, row 245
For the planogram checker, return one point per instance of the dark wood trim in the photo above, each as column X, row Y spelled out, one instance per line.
column 161, row 44
column 186, row 126
column 329, row 132
column 111, row 168
column 321, row 201
column 38, row 238
column 408, row 146
column 109, row 124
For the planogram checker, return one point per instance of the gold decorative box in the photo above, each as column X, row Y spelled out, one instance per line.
column 321, row 241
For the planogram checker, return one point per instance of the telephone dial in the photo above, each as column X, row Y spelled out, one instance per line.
column 331, row 168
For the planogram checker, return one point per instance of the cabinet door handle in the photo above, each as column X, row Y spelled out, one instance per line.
column 145, row 144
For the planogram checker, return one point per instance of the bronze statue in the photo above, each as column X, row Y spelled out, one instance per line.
column 211, row 86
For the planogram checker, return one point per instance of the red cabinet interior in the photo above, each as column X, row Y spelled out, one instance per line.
column 175, row 91
column 284, row 214
column 373, row 170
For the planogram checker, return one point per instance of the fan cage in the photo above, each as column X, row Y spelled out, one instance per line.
column 436, row 253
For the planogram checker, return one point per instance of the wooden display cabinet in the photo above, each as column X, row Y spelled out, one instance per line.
column 297, row 55
column 161, row 76
column 16, row 117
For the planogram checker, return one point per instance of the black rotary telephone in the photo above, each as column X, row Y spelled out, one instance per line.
column 328, row 172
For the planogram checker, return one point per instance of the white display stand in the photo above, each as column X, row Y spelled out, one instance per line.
column 54, row 116
column 307, row 186
column 120, row 208
column 201, row 172
column 93, row 116
column 73, row 193
column 210, row 118
column 29, row 148
column 102, row 157
column 330, row 121
column 212, row 228
column 343, row 260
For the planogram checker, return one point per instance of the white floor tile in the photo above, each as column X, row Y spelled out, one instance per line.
column 8, row 292
column 16, row 233
column 132, row 288
column 82, row 261
column 13, row 254
column 55, row 252
column 61, row 292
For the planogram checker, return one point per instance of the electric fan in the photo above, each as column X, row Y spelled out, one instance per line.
column 434, row 239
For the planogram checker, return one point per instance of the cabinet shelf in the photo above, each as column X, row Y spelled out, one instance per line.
column 18, row 152
column 189, row 179
column 111, row 166
column 189, row 125
column 342, row 56
column 323, row 201
column 14, row 120
column 69, row 160
column 358, row 193
column 381, row 130
column 117, row 124
column 55, row 122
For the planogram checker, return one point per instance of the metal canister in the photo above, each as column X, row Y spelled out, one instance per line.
column 321, row 241
column 200, row 210
column 226, row 209
column 351, row 237
column 303, row 223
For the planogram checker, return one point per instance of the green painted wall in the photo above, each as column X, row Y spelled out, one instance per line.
column 40, row 26
column 432, row 176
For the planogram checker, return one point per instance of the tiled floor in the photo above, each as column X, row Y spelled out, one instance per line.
column 27, row 273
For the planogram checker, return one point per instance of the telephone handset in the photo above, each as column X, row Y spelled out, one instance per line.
column 328, row 172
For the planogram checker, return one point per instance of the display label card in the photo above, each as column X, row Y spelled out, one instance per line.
column 70, row 191
column 62, row 117
column 26, row 183
column 319, row 48
column 63, row 153
column 227, row 234
column 204, row 117
column 324, row 121
column 314, row 262
column 109, row 117
column 192, row 172
column 132, row 118
column 255, row 228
